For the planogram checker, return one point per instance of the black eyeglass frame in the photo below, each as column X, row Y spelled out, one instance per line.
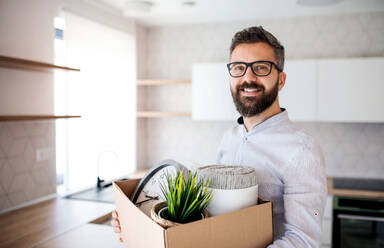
column 251, row 65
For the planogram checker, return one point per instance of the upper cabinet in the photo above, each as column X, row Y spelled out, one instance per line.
column 332, row 90
column 299, row 94
column 211, row 95
column 350, row 90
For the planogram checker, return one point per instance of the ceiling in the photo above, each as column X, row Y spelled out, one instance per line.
column 176, row 12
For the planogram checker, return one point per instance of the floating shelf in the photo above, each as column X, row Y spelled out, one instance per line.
column 159, row 114
column 147, row 82
column 35, row 117
column 12, row 62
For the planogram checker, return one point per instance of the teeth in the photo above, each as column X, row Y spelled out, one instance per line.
column 251, row 90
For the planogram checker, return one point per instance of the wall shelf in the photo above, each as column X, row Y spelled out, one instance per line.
column 35, row 117
column 154, row 82
column 25, row 64
column 160, row 114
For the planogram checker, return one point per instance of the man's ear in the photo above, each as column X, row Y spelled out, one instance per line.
column 282, row 78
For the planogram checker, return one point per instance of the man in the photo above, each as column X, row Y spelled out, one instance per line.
column 288, row 162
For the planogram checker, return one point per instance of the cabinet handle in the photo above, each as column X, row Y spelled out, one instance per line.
column 359, row 217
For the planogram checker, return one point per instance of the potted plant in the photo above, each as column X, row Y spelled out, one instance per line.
column 187, row 198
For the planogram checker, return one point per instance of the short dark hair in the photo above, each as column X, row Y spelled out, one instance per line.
column 259, row 34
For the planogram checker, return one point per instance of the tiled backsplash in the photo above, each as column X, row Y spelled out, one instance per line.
column 350, row 149
column 22, row 177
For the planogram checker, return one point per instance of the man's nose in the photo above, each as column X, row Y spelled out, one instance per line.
column 249, row 76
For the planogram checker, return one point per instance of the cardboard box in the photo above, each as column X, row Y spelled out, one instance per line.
column 249, row 227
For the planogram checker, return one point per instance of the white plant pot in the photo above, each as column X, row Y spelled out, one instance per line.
column 228, row 200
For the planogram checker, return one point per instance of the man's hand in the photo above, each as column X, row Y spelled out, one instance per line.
column 116, row 224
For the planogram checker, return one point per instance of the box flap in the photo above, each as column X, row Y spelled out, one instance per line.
column 127, row 186
column 228, row 230
column 138, row 230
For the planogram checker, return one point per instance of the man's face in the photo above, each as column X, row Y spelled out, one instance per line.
column 253, row 94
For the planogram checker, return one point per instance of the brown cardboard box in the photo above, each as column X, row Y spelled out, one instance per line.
column 249, row 227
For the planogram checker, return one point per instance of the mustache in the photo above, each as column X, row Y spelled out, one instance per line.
column 252, row 84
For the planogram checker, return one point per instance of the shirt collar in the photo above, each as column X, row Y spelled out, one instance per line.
column 283, row 115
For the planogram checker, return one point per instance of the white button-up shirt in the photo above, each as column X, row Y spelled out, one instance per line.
column 291, row 174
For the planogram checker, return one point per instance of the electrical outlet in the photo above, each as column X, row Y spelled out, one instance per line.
column 43, row 154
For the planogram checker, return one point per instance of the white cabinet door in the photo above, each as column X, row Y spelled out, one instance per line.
column 299, row 95
column 351, row 90
column 211, row 95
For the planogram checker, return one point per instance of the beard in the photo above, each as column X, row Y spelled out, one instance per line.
column 249, row 106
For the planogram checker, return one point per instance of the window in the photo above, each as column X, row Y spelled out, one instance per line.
column 102, row 142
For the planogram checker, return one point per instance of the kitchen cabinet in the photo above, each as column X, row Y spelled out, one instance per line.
column 299, row 95
column 24, row 64
column 159, row 83
column 211, row 95
column 350, row 90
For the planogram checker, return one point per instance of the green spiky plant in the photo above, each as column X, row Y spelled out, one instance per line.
column 186, row 196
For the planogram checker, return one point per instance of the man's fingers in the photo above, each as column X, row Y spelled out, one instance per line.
column 121, row 239
column 115, row 215
column 117, row 229
column 115, row 223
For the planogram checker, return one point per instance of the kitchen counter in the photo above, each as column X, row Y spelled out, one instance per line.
column 332, row 190
column 88, row 235
column 60, row 222
column 32, row 225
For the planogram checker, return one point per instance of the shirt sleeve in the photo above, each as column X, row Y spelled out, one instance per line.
column 305, row 194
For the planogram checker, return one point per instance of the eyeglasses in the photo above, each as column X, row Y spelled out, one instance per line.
column 259, row 68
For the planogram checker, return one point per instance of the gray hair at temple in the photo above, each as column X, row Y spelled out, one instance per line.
column 259, row 34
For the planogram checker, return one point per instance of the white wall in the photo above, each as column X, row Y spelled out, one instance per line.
column 26, row 32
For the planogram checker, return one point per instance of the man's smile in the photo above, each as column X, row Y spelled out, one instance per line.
column 251, row 90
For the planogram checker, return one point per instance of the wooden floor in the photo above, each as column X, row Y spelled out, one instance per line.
column 35, row 224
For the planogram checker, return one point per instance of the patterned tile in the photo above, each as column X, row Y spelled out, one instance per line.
column 2, row 191
column 18, row 129
column 2, row 153
column 5, row 138
column 19, row 142
column 17, row 198
column 5, row 202
column 29, row 155
column 18, row 165
column 6, row 176
column 19, row 182
column 17, row 147
column 40, row 176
